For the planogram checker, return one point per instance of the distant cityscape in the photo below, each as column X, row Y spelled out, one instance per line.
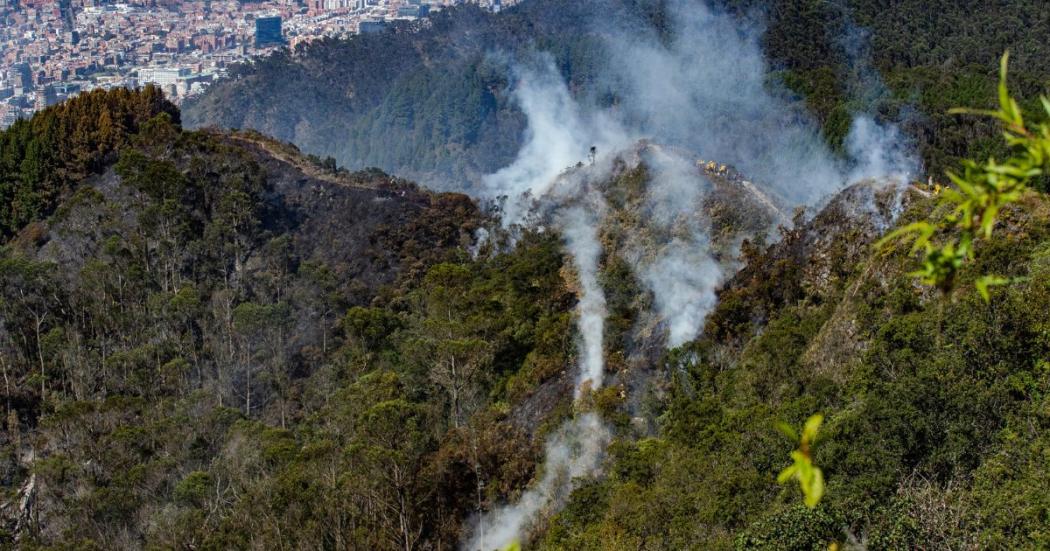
column 51, row 50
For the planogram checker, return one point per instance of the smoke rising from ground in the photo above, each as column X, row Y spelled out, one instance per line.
column 702, row 86
column 679, row 269
column 579, row 228
column 879, row 152
column 683, row 279
column 560, row 134
column 576, row 449
column 573, row 451
column 705, row 85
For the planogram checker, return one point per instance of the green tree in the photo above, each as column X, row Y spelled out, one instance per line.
column 451, row 341
column 29, row 299
column 980, row 193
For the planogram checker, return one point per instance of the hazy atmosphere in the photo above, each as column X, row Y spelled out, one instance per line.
column 534, row 274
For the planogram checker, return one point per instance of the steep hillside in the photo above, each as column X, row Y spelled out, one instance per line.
column 210, row 340
column 211, row 329
column 936, row 408
column 207, row 272
column 433, row 101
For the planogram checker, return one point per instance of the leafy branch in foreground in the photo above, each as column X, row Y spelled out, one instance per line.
column 810, row 477
column 980, row 192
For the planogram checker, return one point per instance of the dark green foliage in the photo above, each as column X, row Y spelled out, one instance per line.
column 931, row 57
column 209, row 341
column 45, row 158
column 193, row 489
column 795, row 528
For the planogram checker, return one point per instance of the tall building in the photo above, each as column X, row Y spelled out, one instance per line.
column 22, row 77
column 268, row 32
column 45, row 96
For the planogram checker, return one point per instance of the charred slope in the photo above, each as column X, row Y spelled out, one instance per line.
column 368, row 228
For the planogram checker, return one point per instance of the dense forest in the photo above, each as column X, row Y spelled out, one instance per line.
column 47, row 156
column 216, row 339
column 432, row 100
column 206, row 298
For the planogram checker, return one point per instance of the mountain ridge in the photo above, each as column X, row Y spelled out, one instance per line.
column 448, row 128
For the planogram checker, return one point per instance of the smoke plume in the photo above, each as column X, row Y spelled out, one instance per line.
column 575, row 450
column 579, row 228
column 678, row 270
column 559, row 135
column 700, row 85
column 572, row 452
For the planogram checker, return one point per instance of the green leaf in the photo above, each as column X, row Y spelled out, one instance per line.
column 922, row 230
column 787, row 474
column 787, row 430
column 1004, row 94
column 968, row 111
column 816, row 489
column 988, row 219
column 961, row 182
column 809, row 431
column 986, row 281
column 810, row 478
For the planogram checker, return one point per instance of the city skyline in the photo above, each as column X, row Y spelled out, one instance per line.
column 50, row 51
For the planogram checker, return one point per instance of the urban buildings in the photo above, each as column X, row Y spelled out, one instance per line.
column 52, row 50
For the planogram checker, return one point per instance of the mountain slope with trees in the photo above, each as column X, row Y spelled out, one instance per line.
column 203, row 300
column 214, row 341
column 936, row 426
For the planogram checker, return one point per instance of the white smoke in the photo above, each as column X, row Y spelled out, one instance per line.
column 879, row 152
column 681, row 274
column 570, row 203
column 560, row 134
column 580, row 230
column 683, row 279
column 572, row 452
column 702, row 86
